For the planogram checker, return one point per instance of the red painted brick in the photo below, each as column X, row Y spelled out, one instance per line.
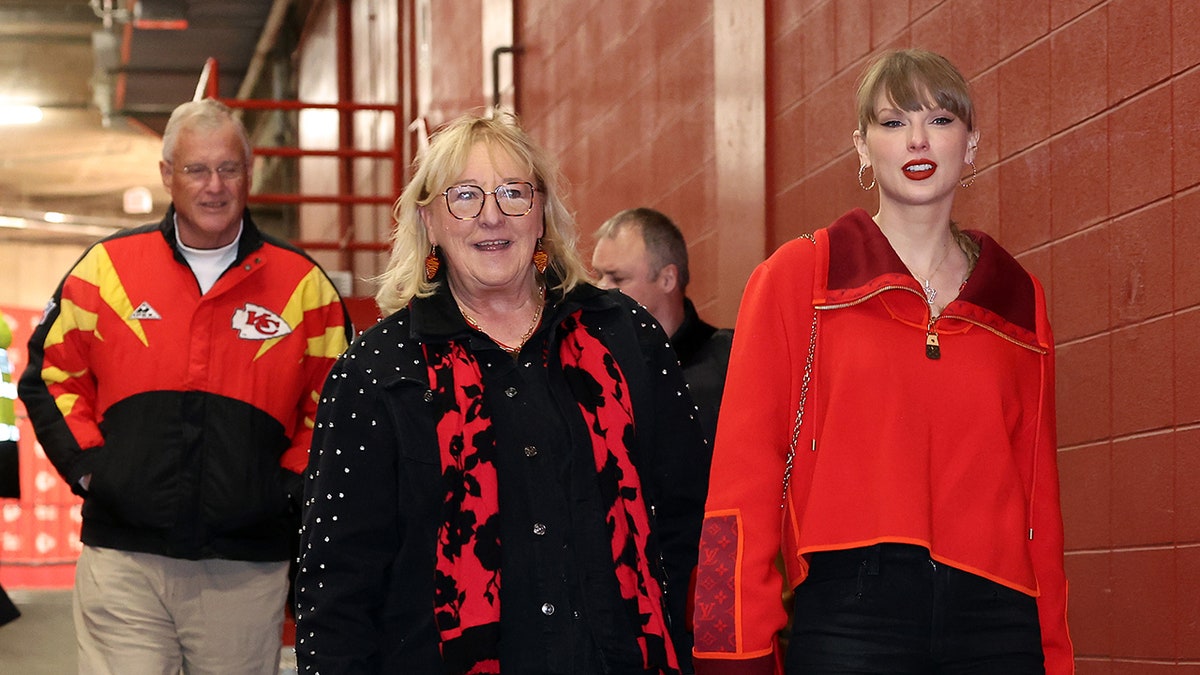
column 1085, row 479
column 830, row 119
column 1025, row 99
column 1083, row 386
column 1026, row 22
column 1062, row 11
column 684, row 149
column 1079, row 179
column 1081, row 278
column 1135, row 39
column 976, row 38
column 853, row 19
column 1025, row 199
column 1039, row 263
column 1143, row 489
column 1187, row 250
column 1078, row 68
column 1086, row 666
column 1185, row 35
column 1187, row 369
column 788, row 148
column 1188, row 564
column 985, row 94
column 1143, row 377
column 933, row 30
column 1089, row 601
column 1145, row 603
column 1140, row 151
column 785, row 66
column 820, row 47
column 784, row 216
column 1141, row 263
column 784, row 17
column 918, row 8
column 1155, row 667
column 678, row 22
column 889, row 20
column 828, row 193
column 1186, row 96
column 1187, row 498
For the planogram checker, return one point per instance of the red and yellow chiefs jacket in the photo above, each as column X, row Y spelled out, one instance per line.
column 191, row 413
column 956, row 454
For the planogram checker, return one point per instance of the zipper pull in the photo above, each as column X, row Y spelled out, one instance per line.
column 933, row 350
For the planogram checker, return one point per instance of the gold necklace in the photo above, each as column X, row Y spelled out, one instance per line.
column 537, row 318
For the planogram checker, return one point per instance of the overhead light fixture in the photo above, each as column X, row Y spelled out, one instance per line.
column 160, row 15
column 19, row 114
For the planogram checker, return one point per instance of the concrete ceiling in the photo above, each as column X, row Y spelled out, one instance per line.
column 107, row 81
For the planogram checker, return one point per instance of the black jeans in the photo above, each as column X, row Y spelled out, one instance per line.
column 891, row 609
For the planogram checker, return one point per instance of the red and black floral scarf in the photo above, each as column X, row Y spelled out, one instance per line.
column 467, row 603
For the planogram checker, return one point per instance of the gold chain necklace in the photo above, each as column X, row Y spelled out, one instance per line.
column 537, row 318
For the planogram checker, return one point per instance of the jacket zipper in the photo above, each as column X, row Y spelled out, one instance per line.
column 933, row 349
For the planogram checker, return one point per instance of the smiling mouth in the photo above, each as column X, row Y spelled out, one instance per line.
column 919, row 169
column 493, row 245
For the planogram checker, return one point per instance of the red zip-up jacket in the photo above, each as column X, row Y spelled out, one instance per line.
column 192, row 413
column 955, row 454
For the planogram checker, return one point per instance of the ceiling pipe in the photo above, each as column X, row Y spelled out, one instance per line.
column 266, row 43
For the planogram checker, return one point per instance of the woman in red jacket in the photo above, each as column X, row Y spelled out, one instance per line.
column 890, row 428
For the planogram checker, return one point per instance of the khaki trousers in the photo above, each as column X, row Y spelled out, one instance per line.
column 149, row 614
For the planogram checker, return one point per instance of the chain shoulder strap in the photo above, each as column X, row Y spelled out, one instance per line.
column 804, row 382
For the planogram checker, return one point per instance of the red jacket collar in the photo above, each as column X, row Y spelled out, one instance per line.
column 861, row 262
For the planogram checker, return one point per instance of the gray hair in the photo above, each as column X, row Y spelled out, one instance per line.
column 208, row 114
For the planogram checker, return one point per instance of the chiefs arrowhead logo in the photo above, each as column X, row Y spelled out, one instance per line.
column 259, row 323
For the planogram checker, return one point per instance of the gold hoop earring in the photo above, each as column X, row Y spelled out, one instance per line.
column 432, row 263
column 971, row 181
column 861, row 169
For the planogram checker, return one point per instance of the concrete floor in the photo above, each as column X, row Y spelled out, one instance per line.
column 42, row 640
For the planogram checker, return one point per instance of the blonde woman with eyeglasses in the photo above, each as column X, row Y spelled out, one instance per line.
column 504, row 475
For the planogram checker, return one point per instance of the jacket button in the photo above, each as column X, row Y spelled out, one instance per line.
column 511, row 392
column 548, row 609
column 539, row 529
column 530, row 451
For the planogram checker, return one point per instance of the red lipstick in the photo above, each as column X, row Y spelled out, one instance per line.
column 919, row 169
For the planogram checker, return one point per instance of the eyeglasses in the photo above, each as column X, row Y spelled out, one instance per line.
column 202, row 173
column 466, row 201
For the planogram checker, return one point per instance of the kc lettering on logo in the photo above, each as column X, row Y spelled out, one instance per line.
column 253, row 322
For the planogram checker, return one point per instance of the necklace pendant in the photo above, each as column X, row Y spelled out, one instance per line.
column 930, row 291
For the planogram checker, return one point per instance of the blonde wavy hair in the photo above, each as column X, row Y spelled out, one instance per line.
column 436, row 169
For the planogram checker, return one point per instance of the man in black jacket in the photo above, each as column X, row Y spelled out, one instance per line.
column 642, row 253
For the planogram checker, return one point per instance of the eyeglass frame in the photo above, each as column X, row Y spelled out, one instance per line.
column 203, row 173
column 533, row 190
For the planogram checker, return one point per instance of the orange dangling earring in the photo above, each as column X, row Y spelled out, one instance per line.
column 432, row 263
column 540, row 258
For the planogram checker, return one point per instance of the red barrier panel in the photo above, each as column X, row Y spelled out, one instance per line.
column 39, row 533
